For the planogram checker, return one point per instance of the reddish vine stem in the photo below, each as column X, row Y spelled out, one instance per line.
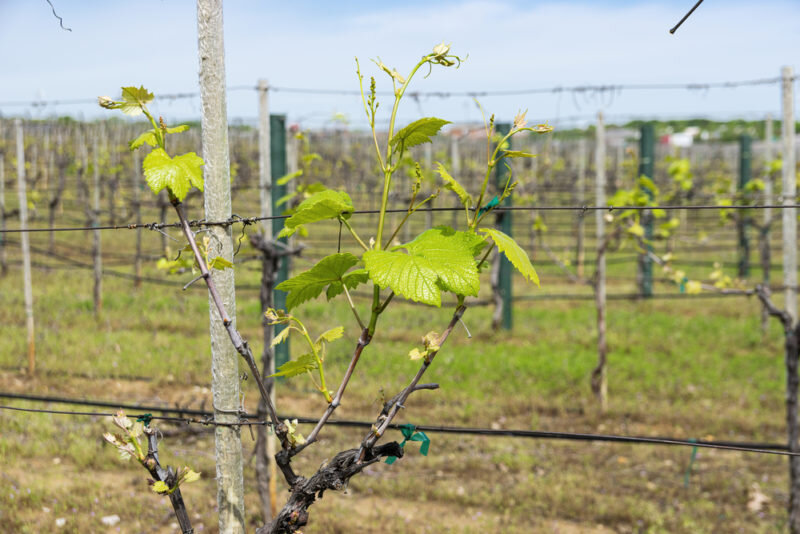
column 239, row 343
column 376, row 434
column 363, row 341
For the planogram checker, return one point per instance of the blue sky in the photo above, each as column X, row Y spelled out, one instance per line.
column 511, row 45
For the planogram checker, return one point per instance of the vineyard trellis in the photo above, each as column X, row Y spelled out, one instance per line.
column 548, row 176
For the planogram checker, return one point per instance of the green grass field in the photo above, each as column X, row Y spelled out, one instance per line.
column 691, row 368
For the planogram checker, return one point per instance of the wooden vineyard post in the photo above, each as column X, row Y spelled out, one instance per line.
column 266, row 469
column 580, row 197
column 789, row 220
column 26, row 249
column 789, row 193
column 646, row 167
column 278, row 169
column 217, row 195
column 3, row 260
column 97, row 258
column 764, row 245
column 745, row 173
column 599, row 375
column 502, row 269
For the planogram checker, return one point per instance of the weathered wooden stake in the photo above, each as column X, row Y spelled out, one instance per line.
column 266, row 468
column 26, row 249
column 580, row 197
column 502, row 269
column 217, row 195
column 789, row 193
column 764, row 244
column 599, row 375
column 97, row 256
column 3, row 259
column 745, row 173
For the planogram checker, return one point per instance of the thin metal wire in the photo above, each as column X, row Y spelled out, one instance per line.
column 758, row 448
column 250, row 220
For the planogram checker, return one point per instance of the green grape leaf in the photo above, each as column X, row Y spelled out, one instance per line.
column 351, row 280
column 417, row 133
column 326, row 204
column 220, row 263
column 438, row 259
column 303, row 364
column 178, row 174
column 518, row 257
column 285, row 179
column 410, row 276
column 309, row 284
column 636, row 229
column 453, row 185
column 133, row 99
column 517, row 154
column 331, row 335
column 148, row 137
column 178, row 129
column 282, row 336
column 160, row 487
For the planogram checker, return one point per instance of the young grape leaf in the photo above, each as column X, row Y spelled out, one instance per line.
column 326, row 204
column 285, row 179
column 178, row 129
column 438, row 259
column 517, row 154
column 451, row 184
column 518, row 258
column 303, row 364
column 179, row 174
column 133, row 99
column 220, row 264
column 331, row 335
column 148, row 137
column 352, row 280
column 309, row 284
column 417, row 133
column 282, row 336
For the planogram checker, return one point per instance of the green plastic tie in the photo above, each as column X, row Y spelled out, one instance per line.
column 410, row 434
column 145, row 418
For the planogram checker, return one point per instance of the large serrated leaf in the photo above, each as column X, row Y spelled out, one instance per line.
column 179, row 174
column 326, row 204
column 303, row 364
column 453, row 185
column 309, row 284
column 438, row 259
column 518, row 258
column 417, row 133
column 452, row 254
column 133, row 98
column 413, row 277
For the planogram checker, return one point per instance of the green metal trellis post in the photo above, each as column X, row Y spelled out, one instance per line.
column 277, row 150
column 745, row 172
column 502, row 174
column 646, row 167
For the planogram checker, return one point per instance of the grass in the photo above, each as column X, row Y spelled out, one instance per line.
column 684, row 368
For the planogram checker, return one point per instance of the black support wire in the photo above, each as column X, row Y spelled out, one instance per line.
column 753, row 447
column 252, row 220
column 556, row 89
